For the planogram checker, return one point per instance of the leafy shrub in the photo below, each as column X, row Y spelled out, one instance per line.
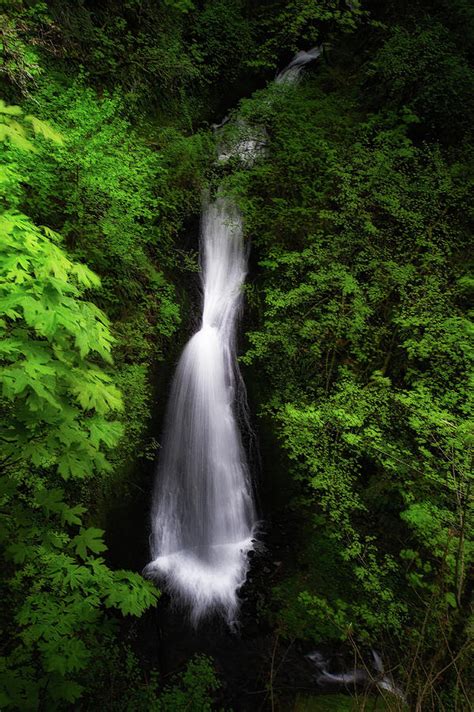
column 57, row 401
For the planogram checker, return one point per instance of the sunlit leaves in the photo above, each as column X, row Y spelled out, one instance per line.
column 48, row 335
column 9, row 110
column 57, row 400
column 15, row 130
column 85, row 276
column 44, row 129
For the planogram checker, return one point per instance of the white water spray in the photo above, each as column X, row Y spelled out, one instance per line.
column 203, row 514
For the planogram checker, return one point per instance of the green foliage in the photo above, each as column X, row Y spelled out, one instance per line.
column 118, row 684
column 359, row 325
column 364, row 338
column 16, row 132
column 195, row 686
column 56, row 399
column 20, row 63
column 177, row 57
column 427, row 71
column 109, row 209
column 47, row 336
column 225, row 38
column 60, row 591
column 299, row 23
column 137, row 45
column 119, row 203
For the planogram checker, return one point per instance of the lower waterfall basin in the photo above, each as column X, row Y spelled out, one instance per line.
column 205, row 579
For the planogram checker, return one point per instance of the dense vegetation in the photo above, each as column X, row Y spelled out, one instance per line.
column 358, row 350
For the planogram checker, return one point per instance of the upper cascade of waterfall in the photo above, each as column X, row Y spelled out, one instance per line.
column 203, row 511
column 224, row 264
column 291, row 73
column 245, row 142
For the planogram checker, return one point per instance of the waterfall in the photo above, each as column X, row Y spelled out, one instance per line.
column 291, row 73
column 203, row 513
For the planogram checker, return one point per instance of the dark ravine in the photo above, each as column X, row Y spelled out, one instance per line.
column 352, row 189
column 203, row 518
column 252, row 660
column 245, row 655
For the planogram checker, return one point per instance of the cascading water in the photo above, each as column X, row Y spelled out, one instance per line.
column 203, row 514
column 291, row 73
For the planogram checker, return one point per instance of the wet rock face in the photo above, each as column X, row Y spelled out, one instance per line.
column 251, row 660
